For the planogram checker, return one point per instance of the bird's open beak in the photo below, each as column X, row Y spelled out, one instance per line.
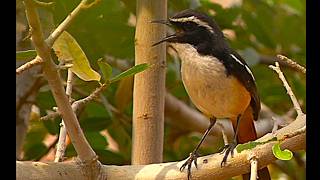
column 168, row 38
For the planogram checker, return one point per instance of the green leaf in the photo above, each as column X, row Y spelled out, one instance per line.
column 282, row 155
column 45, row 100
column 96, row 140
column 25, row 55
column 94, row 109
column 110, row 158
column 245, row 146
column 122, row 136
column 70, row 151
column 66, row 49
column 36, row 134
column 105, row 68
column 95, row 123
column 134, row 70
column 35, row 151
column 52, row 125
column 252, row 144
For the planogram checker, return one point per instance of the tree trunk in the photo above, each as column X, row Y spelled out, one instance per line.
column 149, row 86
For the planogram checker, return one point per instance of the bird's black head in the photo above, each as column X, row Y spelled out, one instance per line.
column 197, row 29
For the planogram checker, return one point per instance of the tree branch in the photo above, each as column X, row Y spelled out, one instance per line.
column 65, row 23
column 84, row 150
column 254, row 168
column 287, row 86
column 292, row 64
column 208, row 166
column 79, row 104
column 28, row 65
column 61, row 146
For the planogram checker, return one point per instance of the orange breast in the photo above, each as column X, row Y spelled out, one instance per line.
column 210, row 89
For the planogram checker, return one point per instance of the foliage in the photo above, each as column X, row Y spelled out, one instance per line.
column 25, row 55
column 266, row 27
column 282, row 155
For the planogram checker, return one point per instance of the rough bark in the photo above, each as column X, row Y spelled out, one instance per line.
column 149, row 86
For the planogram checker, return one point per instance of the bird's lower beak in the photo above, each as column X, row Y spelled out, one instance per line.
column 168, row 38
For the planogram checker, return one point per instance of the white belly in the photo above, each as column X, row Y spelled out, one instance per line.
column 208, row 86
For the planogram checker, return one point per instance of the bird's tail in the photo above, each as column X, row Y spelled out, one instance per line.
column 246, row 133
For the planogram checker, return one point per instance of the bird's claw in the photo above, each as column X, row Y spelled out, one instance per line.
column 227, row 149
column 192, row 158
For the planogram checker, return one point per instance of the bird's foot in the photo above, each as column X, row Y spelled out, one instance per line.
column 192, row 158
column 227, row 149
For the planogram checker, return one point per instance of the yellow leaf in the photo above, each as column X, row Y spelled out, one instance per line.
column 67, row 48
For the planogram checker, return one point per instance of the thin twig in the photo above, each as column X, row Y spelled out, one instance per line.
column 50, row 116
column 61, row 146
column 28, row 65
column 105, row 103
column 64, row 25
column 95, row 2
column 254, row 168
column 43, row 4
column 77, row 104
column 268, row 60
column 288, row 88
column 82, row 102
column 292, row 64
column 125, row 120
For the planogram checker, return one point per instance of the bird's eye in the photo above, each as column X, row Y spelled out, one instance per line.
column 190, row 26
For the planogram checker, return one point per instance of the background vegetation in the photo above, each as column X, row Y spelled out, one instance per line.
column 258, row 29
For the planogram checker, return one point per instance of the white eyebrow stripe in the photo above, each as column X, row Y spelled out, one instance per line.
column 247, row 68
column 195, row 20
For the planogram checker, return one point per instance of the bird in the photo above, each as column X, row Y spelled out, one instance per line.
column 217, row 79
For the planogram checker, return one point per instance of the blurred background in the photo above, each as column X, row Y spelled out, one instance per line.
column 257, row 29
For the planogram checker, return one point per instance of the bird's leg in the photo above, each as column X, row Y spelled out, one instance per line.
column 228, row 148
column 194, row 155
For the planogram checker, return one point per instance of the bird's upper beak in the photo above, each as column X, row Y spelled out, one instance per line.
column 169, row 37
